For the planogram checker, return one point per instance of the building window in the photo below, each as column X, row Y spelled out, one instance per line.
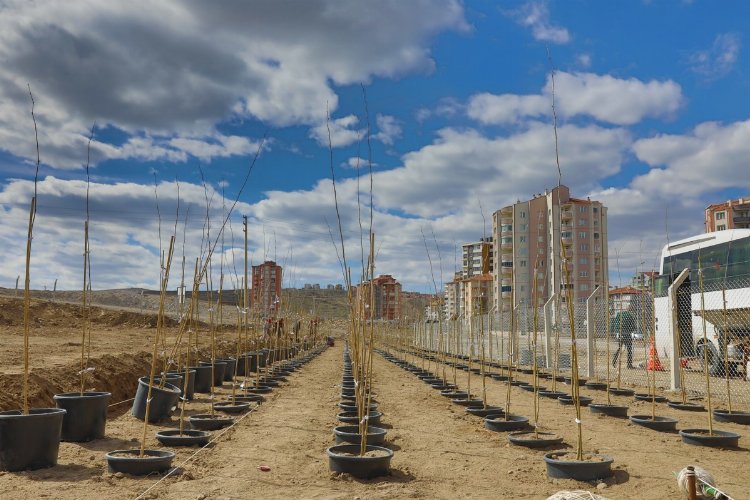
column 540, row 238
column 581, row 222
column 540, row 251
column 596, row 236
column 582, row 208
column 721, row 227
column 582, row 234
column 524, row 227
column 721, row 215
column 523, row 215
column 583, row 260
column 540, row 226
column 584, row 247
column 583, row 287
column 583, row 274
column 522, row 239
column 595, row 209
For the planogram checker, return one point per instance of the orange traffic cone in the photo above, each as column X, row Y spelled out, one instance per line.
column 653, row 359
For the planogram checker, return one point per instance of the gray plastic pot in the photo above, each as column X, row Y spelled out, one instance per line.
column 30, row 441
column 86, row 415
column 202, row 378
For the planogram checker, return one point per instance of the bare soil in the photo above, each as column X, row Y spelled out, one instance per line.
column 278, row 449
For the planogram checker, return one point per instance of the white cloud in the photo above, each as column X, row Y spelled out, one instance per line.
column 357, row 162
column 710, row 158
column 718, row 60
column 446, row 107
column 164, row 71
column 584, row 60
column 535, row 15
column 389, row 129
column 603, row 97
column 340, row 131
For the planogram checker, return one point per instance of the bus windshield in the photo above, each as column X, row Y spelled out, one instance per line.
column 724, row 265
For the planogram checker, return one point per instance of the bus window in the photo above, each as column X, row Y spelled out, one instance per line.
column 739, row 259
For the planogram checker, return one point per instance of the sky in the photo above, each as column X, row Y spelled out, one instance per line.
column 447, row 104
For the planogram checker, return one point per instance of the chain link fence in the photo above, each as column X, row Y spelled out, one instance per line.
column 670, row 338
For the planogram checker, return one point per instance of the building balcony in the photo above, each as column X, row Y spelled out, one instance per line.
column 506, row 295
column 506, row 271
column 506, row 220
column 566, row 214
column 567, row 240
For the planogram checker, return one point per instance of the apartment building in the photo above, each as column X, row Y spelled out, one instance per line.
column 266, row 288
column 452, row 306
column 477, row 257
column 478, row 295
column 732, row 214
column 386, row 297
column 530, row 239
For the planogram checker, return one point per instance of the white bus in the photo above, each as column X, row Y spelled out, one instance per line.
column 724, row 258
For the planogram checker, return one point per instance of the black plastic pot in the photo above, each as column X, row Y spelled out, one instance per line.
column 596, row 386
column 231, row 407
column 719, row 439
column 131, row 462
column 353, row 407
column 219, row 368
column 736, row 417
column 246, row 398
column 231, row 366
column 163, row 401
column 432, row 380
column 259, row 389
column 442, row 387
column 206, row 422
column 86, row 415
column 568, row 400
column 648, row 397
column 530, row 439
column 467, row 402
column 569, row 380
column 191, row 382
column 552, row 394
column 609, row 410
column 349, row 434
column 481, row 411
column 661, row 424
column 202, row 378
column 498, row 423
column 561, row 467
column 454, row 394
column 677, row 405
column 351, row 417
column 344, row 458
column 189, row 437
column 529, row 388
column 174, row 379
column 498, row 377
column 30, row 441
column 618, row 391
column 518, row 383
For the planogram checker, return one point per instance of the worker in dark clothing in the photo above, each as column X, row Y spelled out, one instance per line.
column 624, row 326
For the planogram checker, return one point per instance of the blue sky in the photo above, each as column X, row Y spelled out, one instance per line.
column 654, row 121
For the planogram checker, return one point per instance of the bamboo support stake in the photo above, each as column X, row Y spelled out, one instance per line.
column 706, row 345
column 27, row 308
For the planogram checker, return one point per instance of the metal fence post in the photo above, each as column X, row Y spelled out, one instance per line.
column 548, row 331
column 590, row 332
column 674, row 338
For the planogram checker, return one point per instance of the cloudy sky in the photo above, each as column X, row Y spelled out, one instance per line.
column 652, row 100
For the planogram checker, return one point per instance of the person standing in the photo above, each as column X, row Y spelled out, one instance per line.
column 624, row 326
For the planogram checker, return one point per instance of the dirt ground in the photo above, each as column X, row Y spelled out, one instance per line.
column 440, row 451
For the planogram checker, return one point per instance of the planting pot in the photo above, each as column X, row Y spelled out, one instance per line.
column 530, row 388
column 246, row 398
column 737, row 417
column 218, row 371
column 351, row 417
column 30, row 441
column 454, row 394
column 85, row 417
column 596, row 386
column 467, row 402
column 563, row 465
column 269, row 381
column 347, row 398
column 163, row 401
column 432, row 380
column 345, row 458
column 202, row 378
column 545, row 376
column 497, row 422
column 701, row 437
column 353, row 407
column 191, row 382
column 174, row 379
column 618, row 391
column 231, row 366
column 609, row 410
column 648, row 397
column 232, row 407
column 498, row 377
column 350, row 434
column 552, row 394
column 518, row 383
column 569, row 381
column 207, row 422
column 443, row 387
column 259, row 389
column 677, row 405
column 131, row 462
column 662, row 424
column 568, row 400
column 481, row 411
column 531, row 439
column 189, row 437
column 527, row 371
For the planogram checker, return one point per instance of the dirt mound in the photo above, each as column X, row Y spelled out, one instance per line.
column 55, row 314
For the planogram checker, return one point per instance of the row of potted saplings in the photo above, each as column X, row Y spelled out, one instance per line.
column 360, row 448
column 479, row 407
column 29, row 442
